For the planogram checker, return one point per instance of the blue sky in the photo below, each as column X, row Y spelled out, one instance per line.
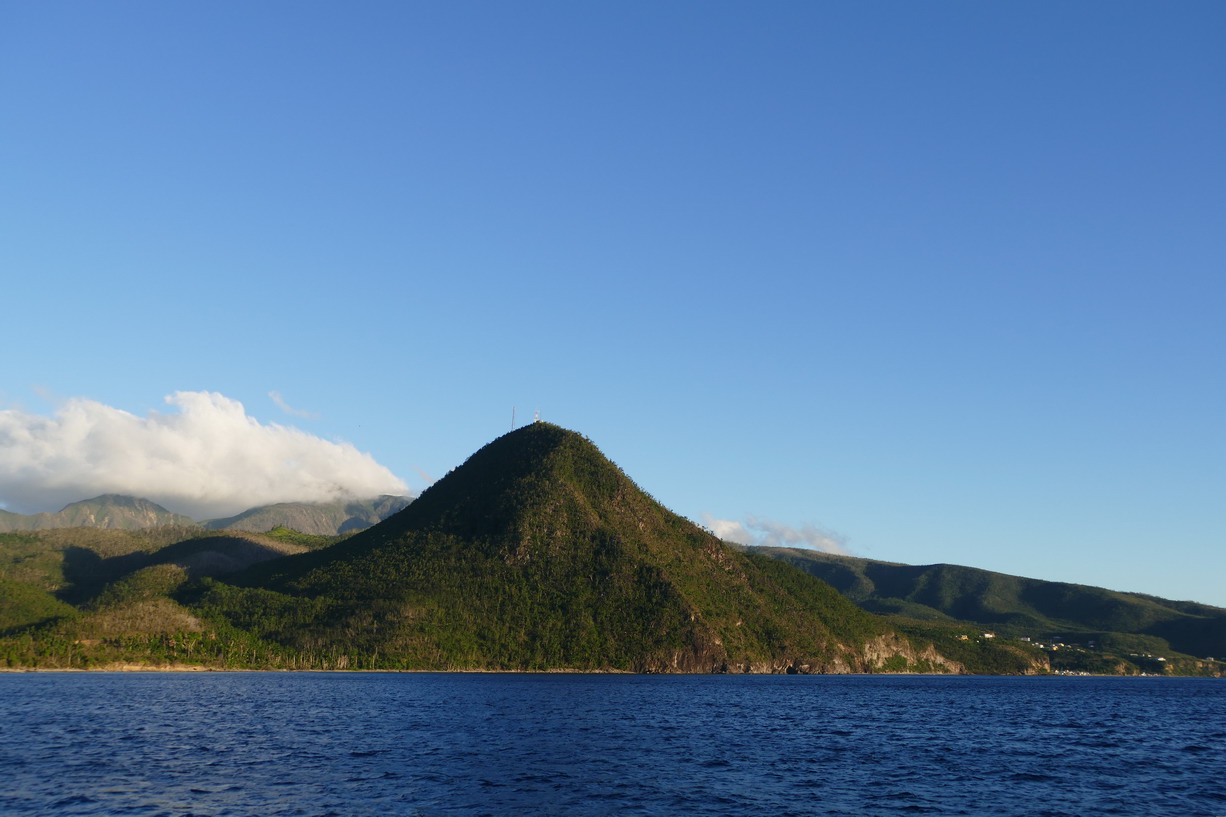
column 935, row 282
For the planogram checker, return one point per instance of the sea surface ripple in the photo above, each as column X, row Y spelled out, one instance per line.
column 446, row 745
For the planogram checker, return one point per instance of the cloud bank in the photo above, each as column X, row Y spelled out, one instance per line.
column 207, row 459
column 757, row 530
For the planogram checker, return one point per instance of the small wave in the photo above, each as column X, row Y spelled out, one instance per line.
column 74, row 800
column 1031, row 777
column 533, row 778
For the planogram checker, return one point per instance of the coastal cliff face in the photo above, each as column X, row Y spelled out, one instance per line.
column 888, row 652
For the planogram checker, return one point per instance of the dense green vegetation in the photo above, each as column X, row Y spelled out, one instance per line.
column 1086, row 629
column 310, row 541
column 967, row 645
column 76, row 563
column 24, row 605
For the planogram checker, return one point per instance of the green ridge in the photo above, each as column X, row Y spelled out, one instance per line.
column 1105, row 625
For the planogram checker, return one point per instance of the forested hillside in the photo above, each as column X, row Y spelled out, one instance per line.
column 1131, row 627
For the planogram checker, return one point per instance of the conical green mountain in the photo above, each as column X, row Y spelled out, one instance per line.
column 539, row 553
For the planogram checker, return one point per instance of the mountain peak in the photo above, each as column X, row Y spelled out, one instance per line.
column 116, row 501
column 539, row 552
column 105, row 511
column 535, row 477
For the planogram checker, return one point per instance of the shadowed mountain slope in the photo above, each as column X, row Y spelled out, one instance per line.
column 75, row 565
column 221, row 555
column 539, row 553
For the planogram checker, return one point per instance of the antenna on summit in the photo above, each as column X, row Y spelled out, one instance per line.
column 536, row 416
column 512, row 418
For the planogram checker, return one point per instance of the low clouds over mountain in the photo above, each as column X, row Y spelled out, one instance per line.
column 757, row 530
column 206, row 459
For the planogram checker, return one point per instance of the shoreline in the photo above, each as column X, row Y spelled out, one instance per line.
column 191, row 668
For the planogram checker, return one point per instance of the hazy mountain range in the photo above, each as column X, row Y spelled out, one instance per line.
column 540, row 554
column 118, row 512
column 110, row 511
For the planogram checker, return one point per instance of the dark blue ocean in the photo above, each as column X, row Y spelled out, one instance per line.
column 501, row 745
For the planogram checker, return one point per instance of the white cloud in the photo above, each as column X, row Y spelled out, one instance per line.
column 276, row 397
column 207, row 459
column 728, row 530
column 757, row 530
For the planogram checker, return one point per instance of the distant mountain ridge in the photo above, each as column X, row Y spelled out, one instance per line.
column 1015, row 605
column 120, row 512
column 110, row 511
column 317, row 518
